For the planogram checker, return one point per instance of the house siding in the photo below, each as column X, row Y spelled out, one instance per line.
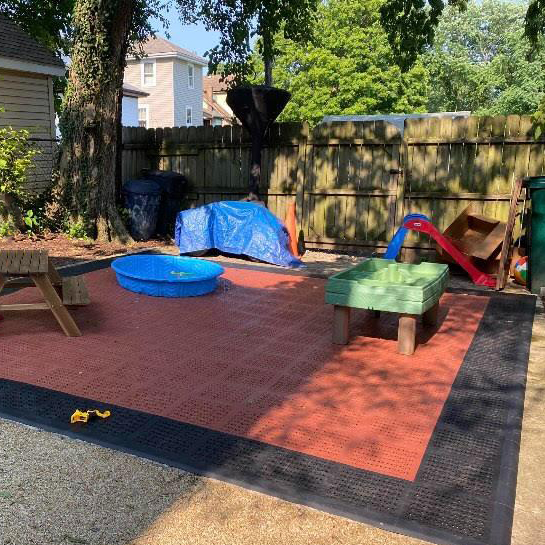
column 159, row 101
column 184, row 96
column 221, row 99
column 129, row 112
column 27, row 100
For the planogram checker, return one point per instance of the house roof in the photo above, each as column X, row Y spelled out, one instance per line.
column 213, row 84
column 398, row 120
column 213, row 109
column 19, row 51
column 133, row 91
column 159, row 47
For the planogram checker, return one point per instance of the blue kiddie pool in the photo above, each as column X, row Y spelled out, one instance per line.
column 167, row 275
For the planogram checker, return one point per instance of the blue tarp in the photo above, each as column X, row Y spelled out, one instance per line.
column 236, row 228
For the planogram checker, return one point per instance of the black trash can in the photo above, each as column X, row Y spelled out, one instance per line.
column 142, row 200
column 174, row 188
column 536, row 240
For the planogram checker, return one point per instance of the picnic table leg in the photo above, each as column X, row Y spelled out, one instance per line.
column 430, row 316
column 341, row 321
column 406, row 334
column 57, row 308
column 54, row 276
column 3, row 280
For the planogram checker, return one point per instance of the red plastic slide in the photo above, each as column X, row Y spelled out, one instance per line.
column 478, row 277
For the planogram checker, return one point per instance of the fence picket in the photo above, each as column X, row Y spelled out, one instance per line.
column 353, row 182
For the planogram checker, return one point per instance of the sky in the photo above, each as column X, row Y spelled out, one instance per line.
column 194, row 37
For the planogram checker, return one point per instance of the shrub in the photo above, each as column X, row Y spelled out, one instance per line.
column 16, row 154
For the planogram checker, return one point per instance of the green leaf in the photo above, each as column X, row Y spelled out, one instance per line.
column 480, row 61
column 348, row 68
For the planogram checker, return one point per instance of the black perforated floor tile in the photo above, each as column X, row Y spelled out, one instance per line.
column 465, row 487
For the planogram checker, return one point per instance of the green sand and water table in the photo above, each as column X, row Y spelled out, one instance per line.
column 388, row 286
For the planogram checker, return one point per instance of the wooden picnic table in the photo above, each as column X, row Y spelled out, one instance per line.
column 34, row 268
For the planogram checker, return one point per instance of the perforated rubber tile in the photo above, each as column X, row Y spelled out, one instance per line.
column 255, row 360
column 246, row 385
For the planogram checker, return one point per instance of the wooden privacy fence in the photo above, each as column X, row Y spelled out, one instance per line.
column 353, row 182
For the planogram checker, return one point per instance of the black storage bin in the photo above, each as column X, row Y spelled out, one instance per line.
column 142, row 200
column 174, row 187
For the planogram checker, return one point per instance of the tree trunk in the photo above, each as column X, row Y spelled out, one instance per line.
column 268, row 57
column 268, row 62
column 255, row 168
column 91, row 114
column 10, row 212
column 119, row 151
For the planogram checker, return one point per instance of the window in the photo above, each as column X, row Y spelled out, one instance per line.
column 148, row 73
column 143, row 116
column 190, row 76
column 189, row 116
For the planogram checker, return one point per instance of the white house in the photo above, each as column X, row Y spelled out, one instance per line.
column 172, row 77
column 216, row 110
column 129, row 105
column 26, row 95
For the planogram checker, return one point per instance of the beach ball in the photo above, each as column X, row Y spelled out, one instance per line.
column 521, row 269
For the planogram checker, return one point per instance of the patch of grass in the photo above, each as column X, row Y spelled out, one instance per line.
column 77, row 231
column 72, row 539
column 7, row 228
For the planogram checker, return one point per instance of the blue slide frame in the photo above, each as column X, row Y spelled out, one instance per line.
column 397, row 242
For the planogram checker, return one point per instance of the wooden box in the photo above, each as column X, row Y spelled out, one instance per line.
column 479, row 237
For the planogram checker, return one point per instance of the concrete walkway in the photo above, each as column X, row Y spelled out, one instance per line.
column 529, row 521
column 55, row 490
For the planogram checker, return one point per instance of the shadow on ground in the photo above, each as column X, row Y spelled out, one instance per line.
column 121, row 498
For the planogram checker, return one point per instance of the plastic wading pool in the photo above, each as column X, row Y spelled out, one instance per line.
column 167, row 276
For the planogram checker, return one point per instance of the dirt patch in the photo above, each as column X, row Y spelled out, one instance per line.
column 66, row 251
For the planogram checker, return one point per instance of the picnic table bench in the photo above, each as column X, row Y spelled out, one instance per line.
column 34, row 268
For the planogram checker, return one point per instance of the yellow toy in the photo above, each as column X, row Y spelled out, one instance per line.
column 84, row 416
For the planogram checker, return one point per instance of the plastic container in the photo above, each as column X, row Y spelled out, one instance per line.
column 383, row 284
column 536, row 240
column 167, row 275
column 174, row 188
column 142, row 200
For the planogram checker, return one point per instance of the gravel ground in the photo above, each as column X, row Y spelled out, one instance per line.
column 56, row 490
column 60, row 491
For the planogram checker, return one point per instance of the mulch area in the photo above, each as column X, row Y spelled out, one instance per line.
column 68, row 251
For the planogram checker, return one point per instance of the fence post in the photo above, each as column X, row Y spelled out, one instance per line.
column 398, row 180
column 302, row 158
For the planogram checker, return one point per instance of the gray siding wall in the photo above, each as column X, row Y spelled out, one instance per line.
column 184, row 96
column 27, row 100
